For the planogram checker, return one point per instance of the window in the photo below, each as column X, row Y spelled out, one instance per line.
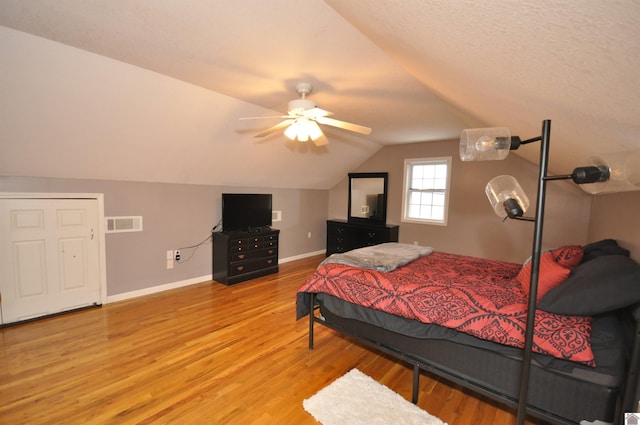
column 426, row 190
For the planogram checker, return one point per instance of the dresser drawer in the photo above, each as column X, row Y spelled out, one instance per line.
column 343, row 236
column 372, row 236
column 253, row 253
column 252, row 265
column 247, row 244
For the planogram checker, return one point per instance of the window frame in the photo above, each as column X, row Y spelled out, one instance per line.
column 408, row 166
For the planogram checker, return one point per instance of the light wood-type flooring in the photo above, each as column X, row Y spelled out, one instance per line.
column 202, row 354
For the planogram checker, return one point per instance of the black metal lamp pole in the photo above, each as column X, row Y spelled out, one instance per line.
column 535, row 271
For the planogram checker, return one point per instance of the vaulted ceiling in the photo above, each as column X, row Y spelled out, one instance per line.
column 412, row 70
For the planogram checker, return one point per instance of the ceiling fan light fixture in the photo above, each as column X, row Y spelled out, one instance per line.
column 303, row 129
column 314, row 130
column 292, row 131
column 304, row 117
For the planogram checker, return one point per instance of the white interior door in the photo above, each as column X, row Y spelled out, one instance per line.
column 49, row 256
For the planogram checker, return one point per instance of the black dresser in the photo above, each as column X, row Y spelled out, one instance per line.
column 240, row 256
column 344, row 236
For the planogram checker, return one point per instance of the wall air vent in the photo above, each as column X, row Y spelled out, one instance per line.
column 123, row 224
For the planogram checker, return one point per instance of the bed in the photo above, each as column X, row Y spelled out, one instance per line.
column 463, row 318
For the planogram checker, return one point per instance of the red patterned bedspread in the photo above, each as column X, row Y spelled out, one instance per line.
column 472, row 295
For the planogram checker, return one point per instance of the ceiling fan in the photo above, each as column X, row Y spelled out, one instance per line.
column 303, row 117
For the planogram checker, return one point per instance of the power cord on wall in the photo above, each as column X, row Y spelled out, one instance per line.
column 195, row 247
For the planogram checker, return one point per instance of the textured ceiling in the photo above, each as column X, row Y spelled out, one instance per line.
column 516, row 63
column 413, row 70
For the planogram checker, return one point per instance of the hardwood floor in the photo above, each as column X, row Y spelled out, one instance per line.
column 207, row 353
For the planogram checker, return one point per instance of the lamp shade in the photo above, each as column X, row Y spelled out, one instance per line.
column 624, row 172
column 506, row 196
column 482, row 144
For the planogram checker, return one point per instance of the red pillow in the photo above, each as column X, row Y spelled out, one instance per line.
column 568, row 256
column 551, row 274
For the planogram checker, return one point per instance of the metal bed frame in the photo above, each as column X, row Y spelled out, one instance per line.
column 626, row 402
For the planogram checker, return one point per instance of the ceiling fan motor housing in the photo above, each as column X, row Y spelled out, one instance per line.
column 304, row 89
column 298, row 106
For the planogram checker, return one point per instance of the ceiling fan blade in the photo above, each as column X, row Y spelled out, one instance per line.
column 344, row 125
column 321, row 141
column 316, row 112
column 276, row 127
column 267, row 117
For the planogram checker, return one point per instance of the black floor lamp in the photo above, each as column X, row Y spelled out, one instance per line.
column 608, row 173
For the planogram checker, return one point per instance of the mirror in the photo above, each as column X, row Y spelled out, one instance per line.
column 368, row 198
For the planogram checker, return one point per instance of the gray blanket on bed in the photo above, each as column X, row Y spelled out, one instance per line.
column 383, row 258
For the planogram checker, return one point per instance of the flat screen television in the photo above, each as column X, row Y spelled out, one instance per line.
column 246, row 211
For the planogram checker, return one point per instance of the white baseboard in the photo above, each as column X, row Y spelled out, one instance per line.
column 173, row 285
column 155, row 289
column 301, row 256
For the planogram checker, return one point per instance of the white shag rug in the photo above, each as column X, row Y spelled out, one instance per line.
column 357, row 399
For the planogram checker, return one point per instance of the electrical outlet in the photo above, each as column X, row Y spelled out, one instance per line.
column 169, row 264
column 176, row 255
column 309, row 235
column 170, row 254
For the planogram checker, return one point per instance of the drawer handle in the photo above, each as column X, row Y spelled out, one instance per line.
column 270, row 251
column 269, row 261
column 241, row 256
column 240, row 268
